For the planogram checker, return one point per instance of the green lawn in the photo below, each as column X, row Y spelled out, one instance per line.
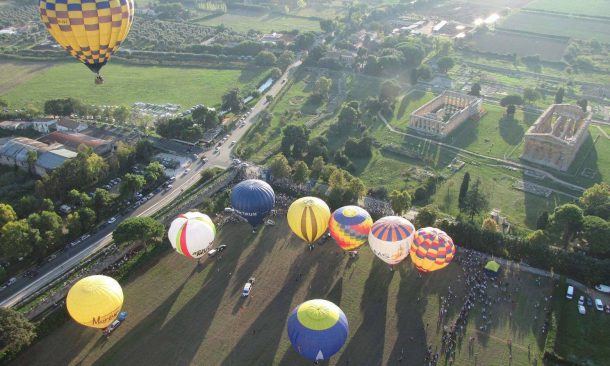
column 583, row 7
column 581, row 338
column 595, row 156
column 586, row 29
column 128, row 84
column 243, row 21
column 181, row 313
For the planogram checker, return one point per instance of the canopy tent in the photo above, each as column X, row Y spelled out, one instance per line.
column 492, row 267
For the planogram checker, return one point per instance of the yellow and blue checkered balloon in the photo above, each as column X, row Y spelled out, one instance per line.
column 90, row 30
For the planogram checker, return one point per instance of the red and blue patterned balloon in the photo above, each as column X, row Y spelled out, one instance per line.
column 350, row 226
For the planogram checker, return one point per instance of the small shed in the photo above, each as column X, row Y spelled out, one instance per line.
column 492, row 268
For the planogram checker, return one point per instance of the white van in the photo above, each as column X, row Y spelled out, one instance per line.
column 570, row 293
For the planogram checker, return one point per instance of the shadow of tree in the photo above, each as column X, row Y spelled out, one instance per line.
column 510, row 130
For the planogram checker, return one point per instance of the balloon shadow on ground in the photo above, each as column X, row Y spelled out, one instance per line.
column 360, row 350
column 147, row 343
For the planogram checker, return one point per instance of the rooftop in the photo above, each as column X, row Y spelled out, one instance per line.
column 53, row 159
column 73, row 139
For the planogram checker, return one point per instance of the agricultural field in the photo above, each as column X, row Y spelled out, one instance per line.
column 559, row 25
column 183, row 313
column 243, row 21
column 468, row 11
column 522, row 44
column 13, row 73
column 128, row 84
column 596, row 8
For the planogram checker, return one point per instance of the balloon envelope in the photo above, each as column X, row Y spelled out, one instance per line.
column 253, row 199
column 308, row 218
column 390, row 238
column 317, row 329
column 432, row 249
column 350, row 226
column 91, row 31
column 191, row 234
column 95, row 301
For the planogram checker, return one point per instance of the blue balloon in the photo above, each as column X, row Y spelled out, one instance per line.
column 317, row 329
column 253, row 199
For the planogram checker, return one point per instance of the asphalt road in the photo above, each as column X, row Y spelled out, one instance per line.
column 66, row 260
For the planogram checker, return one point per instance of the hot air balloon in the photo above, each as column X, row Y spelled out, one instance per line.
column 91, row 31
column 191, row 234
column 390, row 238
column 432, row 249
column 350, row 226
column 308, row 218
column 317, row 329
column 252, row 199
column 95, row 301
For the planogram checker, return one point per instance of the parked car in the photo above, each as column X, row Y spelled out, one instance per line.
column 85, row 237
column 582, row 310
column 248, row 287
column 607, row 308
column 3, row 287
column 603, row 288
column 111, row 220
column 215, row 251
column 570, row 293
column 599, row 305
column 75, row 243
column 11, row 281
column 581, row 300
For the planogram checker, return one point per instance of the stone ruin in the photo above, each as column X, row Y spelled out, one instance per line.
column 556, row 136
column 443, row 114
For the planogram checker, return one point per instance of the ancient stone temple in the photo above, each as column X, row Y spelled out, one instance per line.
column 554, row 139
column 445, row 113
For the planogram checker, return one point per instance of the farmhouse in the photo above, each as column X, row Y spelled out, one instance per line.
column 15, row 151
column 443, row 114
column 70, row 125
column 555, row 138
column 44, row 125
column 74, row 139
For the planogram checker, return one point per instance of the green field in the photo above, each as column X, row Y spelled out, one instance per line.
column 557, row 25
column 181, row 313
column 582, row 7
column 13, row 73
column 243, row 21
column 126, row 85
column 594, row 155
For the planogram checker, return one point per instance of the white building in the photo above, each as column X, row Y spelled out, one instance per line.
column 44, row 125
column 70, row 125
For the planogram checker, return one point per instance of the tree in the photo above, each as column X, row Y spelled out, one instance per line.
column 322, row 87
column 294, row 141
column 567, row 219
column 131, row 184
column 559, row 95
column 530, row 94
column 348, row 119
column 280, row 168
column 511, row 99
column 62, row 107
column 596, row 199
column 144, row 150
column 475, row 90
column 400, row 201
column 389, row 90
column 32, row 159
column 16, row 331
column 445, row 63
column 475, row 201
column 582, row 103
column 426, row 216
column 304, row 40
column 596, row 232
column 154, row 171
column 301, row 172
column 543, row 220
column 424, row 72
column 101, row 202
column 317, row 166
column 490, row 224
column 463, row 190
column 265, row 58
column 286, row 59
column 121, row 114
column 88, row 218
column 74, row 224
column 138, row 229
column 328, row 25
column 206, row 117
column 510, row 110
column 7, row 214
column 232, row 101
column 17, row 239
column 76, row 198
column 48, row 224
column 269, row 98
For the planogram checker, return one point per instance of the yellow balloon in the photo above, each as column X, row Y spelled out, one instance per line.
column 95, row 301
column 308, row 218
column 91, row 31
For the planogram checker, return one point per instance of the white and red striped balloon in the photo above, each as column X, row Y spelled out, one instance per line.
column 191, row 234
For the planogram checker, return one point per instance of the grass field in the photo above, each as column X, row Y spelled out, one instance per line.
column 523, row 45
column 577, row 334
column 243, row 21
column 181, row 313
column 594, row 155
column 582, row 7
column 128, row 84
column 13, row 73
column 549, row 24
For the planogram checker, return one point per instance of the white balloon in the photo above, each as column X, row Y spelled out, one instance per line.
column 191, row 234
column 390, row 238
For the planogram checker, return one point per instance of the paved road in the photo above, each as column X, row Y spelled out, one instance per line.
column 66, row 260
